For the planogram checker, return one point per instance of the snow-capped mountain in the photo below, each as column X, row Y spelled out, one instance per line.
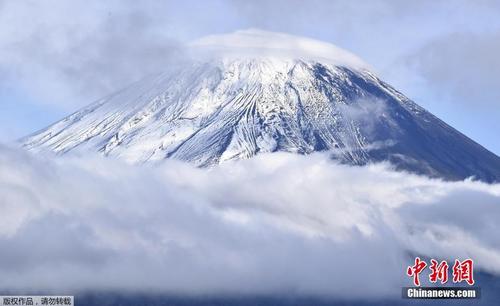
column 254, row 91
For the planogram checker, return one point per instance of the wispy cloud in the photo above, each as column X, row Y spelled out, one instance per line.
column 462, row 67
column 69, row 54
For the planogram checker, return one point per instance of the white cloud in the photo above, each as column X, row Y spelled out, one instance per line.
column 274, row 223
column 461, row 67
column 68, row 54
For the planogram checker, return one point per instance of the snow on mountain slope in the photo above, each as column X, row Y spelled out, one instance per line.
column 254, row 91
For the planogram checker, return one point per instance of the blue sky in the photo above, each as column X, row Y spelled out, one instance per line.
column 57, row 56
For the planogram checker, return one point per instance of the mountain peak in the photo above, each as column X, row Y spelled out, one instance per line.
column 260, row 43
column 268, row 92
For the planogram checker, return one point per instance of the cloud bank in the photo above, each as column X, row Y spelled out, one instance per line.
column 277, row 223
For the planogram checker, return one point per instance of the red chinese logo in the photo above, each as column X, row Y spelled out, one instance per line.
column 438, row 271
column 462, row 271
column 415, row 270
